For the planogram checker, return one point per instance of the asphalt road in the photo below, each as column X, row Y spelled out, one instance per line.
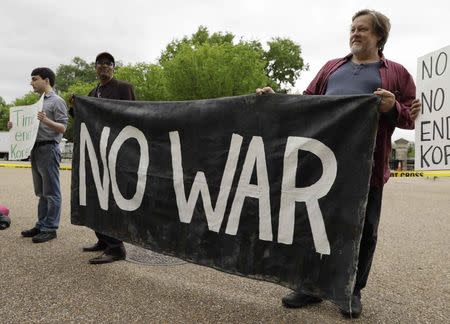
column 53, row 283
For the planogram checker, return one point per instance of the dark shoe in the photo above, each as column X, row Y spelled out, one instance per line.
column 44, row 237
column 31, row 232
column 96, row 247
column 106, row 258
column 5, row 221
column 356, row 307
column 297, row 300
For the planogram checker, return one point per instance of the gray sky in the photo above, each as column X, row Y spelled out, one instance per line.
column 52, row 32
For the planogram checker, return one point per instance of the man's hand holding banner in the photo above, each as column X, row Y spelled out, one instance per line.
column 269, row 187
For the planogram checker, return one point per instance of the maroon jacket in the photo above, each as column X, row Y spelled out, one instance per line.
column 394, row 78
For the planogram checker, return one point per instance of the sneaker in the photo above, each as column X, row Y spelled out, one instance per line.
column 355, row 308
column 297, row 300
column 44, row 237
column 5, row 222
column 31, row 232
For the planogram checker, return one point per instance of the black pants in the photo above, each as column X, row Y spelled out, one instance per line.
column 113, row 246
column 369, row 237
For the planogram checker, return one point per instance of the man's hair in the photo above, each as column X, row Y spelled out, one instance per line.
column 381, row 25
column 44, row 73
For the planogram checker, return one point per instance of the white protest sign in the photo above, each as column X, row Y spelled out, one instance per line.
column 24, row 131
column 433, row 123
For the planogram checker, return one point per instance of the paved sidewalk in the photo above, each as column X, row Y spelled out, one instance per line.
column 53, row 283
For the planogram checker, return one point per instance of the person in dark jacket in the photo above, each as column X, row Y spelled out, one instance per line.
column 108, row 88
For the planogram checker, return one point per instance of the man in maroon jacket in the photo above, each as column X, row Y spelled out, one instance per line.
column 365, row 70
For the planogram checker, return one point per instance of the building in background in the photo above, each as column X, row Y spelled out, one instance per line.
column 402, row 155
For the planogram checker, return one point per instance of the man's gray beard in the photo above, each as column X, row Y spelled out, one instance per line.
column 356, row 50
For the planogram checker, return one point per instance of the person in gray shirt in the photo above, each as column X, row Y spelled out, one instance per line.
column 46, row 156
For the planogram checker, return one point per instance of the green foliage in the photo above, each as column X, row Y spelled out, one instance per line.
column 148, row 80
column 214, row 70
column 80, row 89
column 4, row 117
column 78, row 71
column 284, row 62
column 199, row 38
column 27, row 99
column 4, row 114
column 411, row 151
column 201, row 66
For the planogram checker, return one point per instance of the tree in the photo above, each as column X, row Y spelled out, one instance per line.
column 4, row 114
column 27, row 99
column 148, row 80
column 201, row 66
column 214, row 70
column 81, row 89
column 199, row 38
column 282, row 62
column 411, row 150
column 78, row 71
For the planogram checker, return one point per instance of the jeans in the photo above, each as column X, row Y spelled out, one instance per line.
column 368, row 238
column 45, row 160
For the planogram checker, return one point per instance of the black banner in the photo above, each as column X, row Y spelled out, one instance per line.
column 269, row 187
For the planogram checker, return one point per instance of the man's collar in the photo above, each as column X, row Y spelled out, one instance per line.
column 49, row 94
column 109, row 81
column 383, row 60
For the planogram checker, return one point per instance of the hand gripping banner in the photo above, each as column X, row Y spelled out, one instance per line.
column 268, row 187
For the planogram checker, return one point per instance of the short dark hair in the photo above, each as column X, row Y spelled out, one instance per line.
column 45, row 73
column 381, row 25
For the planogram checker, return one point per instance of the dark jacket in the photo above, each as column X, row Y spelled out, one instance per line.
column 114, row 89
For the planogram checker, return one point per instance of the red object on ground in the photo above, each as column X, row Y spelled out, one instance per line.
column 5, row 221
column 4, row 211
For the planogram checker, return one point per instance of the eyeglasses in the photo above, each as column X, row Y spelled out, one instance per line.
column 108, row 63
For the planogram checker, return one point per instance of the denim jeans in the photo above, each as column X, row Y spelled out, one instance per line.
column 45, row 161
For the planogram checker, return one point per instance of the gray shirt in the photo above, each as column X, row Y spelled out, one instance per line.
column 55, row 108
column 352, row 79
